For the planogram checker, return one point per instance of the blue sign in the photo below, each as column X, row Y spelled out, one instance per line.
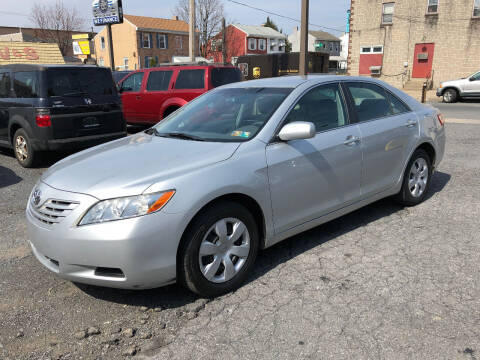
column 107, row 12
column 348, row 22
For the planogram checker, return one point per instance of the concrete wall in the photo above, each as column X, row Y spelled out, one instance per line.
column 454, row 31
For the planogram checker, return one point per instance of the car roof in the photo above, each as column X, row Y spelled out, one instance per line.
column 33, row 67
column 188, row 66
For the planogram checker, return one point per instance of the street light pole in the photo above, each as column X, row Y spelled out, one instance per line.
column 192, row 31
column 304, row 38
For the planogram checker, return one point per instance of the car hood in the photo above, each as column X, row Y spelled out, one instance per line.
column 128, row 166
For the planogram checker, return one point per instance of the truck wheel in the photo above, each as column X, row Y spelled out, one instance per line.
column 22, row 146
column 450, row 96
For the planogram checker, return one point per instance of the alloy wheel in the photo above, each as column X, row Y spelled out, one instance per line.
column 418, row 177
column 224, row 250
column 21, row 148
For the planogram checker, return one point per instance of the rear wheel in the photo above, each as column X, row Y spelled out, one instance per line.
column 416, row 180
column 219, row 250
column 450, row 96
column 22, row 147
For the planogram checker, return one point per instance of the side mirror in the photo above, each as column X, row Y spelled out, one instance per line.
column 297, row 130
column 472, row 79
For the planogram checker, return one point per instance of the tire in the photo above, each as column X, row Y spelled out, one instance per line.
column 415, row 187
column 450, row 96
column 22, row 147
column 203, row 234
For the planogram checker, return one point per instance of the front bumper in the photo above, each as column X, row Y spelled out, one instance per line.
column 439, row 92
column 143, row 249
column 77, row 142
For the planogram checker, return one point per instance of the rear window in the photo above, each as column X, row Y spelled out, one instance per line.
column 5, row 85
column 159, row 80
column 191, row 79
column 25, row 84
column 223, row 76
column 70, row 82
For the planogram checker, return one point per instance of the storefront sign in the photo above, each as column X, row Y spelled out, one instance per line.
column 27, row 53
column 107, row 12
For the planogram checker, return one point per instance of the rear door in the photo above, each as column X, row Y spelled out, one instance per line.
column 83, row 101
column 156, row 92
column 389, row 128
column 5, row 88
column 190, row 83
column 131, row 90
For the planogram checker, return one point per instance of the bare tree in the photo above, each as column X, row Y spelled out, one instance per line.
column 55, row 23
column 208, row 18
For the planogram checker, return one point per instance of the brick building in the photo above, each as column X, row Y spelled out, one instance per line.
column 246, row 40
column 404, row 40
column 142, row 42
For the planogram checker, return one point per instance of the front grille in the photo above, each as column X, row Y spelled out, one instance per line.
column 53, row 211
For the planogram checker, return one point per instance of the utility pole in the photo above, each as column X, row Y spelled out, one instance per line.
column 224, row 42
column 192, row 31
column 304, row 39
column 110, row 45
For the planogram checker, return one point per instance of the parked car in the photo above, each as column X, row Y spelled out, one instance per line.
column 119, row 75
column 150, row 95
column 455, row 90
column 55, row 107
column 238, row 169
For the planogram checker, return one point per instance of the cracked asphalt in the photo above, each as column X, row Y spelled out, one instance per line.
column 384, row 282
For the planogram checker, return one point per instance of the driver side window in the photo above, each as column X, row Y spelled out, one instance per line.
column 476, row 77
column 322, row 106
column 133, row 83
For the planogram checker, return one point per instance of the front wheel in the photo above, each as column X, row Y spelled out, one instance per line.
column 450, row 96
column 219, row 250
column 416, row 180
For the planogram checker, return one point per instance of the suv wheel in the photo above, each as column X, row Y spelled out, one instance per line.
column 416, row 180
column 450, row 96
column 22, row 147
column 219, row 250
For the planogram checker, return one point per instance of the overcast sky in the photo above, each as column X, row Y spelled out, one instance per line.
column 329, row 13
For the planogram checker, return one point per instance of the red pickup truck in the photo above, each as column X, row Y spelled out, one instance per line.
column 150, row 95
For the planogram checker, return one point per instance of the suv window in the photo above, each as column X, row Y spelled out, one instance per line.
column 475, row 77
column 69, row 82
column 191, row 79
column 323, row 106
column 223, row 76
column 25, row 84
column 5, row 85
column 398, row 107
column 370, row 101
column 159, row 80
column 133, row 82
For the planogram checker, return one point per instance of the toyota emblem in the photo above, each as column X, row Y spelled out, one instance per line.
column 36, row 197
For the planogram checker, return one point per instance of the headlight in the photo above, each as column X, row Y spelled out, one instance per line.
column 126, row 207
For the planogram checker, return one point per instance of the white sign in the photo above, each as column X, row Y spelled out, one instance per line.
column 107, row 12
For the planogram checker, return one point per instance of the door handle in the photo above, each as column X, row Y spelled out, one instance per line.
column 411, row 123
column 351, row 140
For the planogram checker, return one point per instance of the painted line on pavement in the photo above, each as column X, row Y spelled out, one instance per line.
column 462, row 121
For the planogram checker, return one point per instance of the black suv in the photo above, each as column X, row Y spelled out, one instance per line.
column 57, row 107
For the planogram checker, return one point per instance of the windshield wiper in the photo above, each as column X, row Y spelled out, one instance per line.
column 179, row 135
column 75, row 94
column 152, row 131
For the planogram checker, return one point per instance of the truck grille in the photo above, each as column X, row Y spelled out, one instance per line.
column 53, row 211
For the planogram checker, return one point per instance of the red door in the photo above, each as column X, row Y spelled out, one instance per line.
column 423, row 60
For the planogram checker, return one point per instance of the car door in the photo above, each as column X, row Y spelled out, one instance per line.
column 472, row 85
column 131, row 90
column 388, row 129
column 5, row 89
column 310, row 178
column 156, row 92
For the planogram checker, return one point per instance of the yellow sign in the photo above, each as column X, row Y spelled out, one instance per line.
column 81, row 47
column 80, row 36
column 256, row 72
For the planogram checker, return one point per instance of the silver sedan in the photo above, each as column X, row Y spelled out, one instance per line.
column 194, row 198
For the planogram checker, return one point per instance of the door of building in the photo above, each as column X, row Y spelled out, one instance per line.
column 423, row 60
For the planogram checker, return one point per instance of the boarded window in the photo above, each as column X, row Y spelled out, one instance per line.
column 387, row 15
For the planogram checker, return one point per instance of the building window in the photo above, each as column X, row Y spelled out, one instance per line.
column 178, row 42
column 151, row 61
column 330, row 46
column 366, row 50
column 252, row 44
column 262, row 44
column 432, row 7
column 387, row 14
column 476, row 8
column 125, row 63
column 161, row 41
column 102, row 43
column 146, row 43
column 377, row 49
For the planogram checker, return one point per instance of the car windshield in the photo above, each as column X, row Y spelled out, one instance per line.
column 234, row 114
column 80, row 82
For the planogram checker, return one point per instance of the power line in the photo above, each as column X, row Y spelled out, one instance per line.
column 282, row 16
